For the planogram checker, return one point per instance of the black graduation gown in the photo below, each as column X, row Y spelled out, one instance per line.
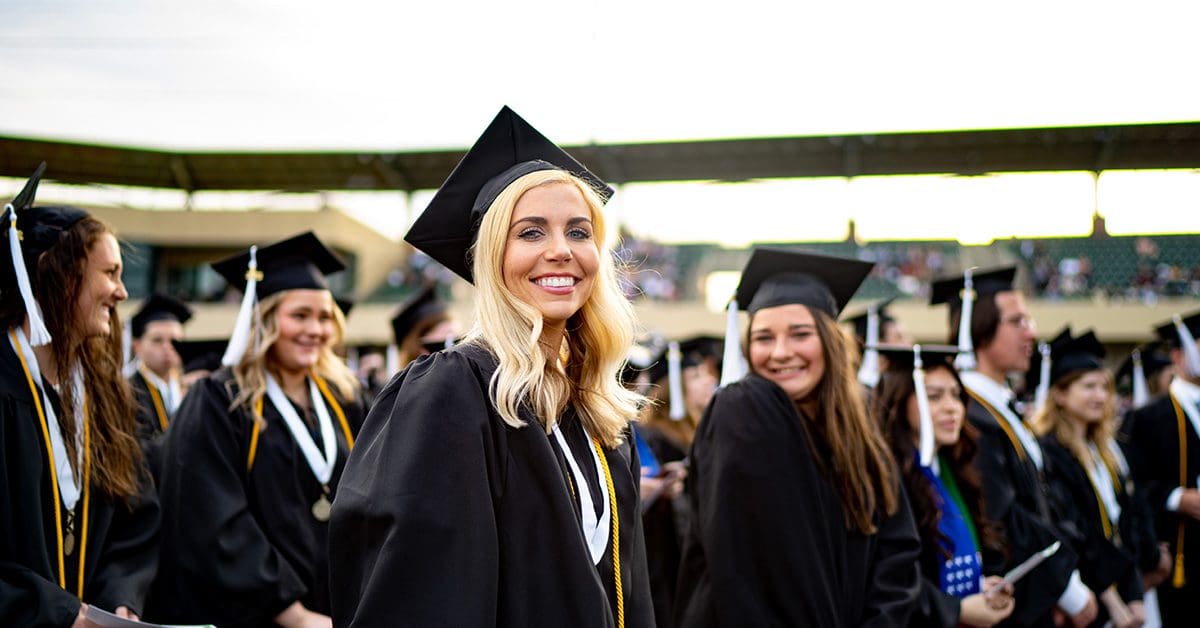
column 768, row 544
column 150, row 430
column 1151, row 435
column 240, row 546
column 1103, row 562
column 121, row 551
column 1014, row 495
column 447, row 516
column 665, row 523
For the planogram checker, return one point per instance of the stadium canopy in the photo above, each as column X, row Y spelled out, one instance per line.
column 1089, row 148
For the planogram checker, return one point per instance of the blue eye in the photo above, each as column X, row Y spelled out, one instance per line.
column 579, row 234
column 530, row 234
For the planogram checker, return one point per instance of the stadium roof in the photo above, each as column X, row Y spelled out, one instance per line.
column 1091, row 148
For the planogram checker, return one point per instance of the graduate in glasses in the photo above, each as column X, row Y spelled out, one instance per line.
column 253, row 458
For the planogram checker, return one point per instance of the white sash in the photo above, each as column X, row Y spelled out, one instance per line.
column 1179, row 390
column 1103, row 480
column 322, row 466
column 595, row 532
column 69, row 487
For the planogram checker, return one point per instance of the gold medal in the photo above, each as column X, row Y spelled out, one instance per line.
column 321, row 509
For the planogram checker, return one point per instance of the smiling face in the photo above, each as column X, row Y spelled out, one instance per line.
column 786, row 349
column 550, row 257
column 305, row 321
column 945, row 407
column 1087, row 398
column 101, row 288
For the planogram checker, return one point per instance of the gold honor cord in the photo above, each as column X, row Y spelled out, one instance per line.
column 1178, row 579
column 155, row 397
column 87, row 465
column 616, row 536
column 1105, row 522
column 1016, row 442
column 337, row 410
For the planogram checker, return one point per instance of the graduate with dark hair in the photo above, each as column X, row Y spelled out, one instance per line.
column 156, row 379
column 799, row 517
column 79, row 519
column 921, row 405
column 995, row 337
column 253, row 458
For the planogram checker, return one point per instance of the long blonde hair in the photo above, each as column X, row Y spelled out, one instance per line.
column 595, row 344
column 1052, row 418
column 250, row 371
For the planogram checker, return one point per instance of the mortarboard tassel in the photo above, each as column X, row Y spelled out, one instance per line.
column 1187, row 342
column 1141, row 390
column 239, row 340
column 129, row 365
column 38, row 334
column 449, row 343
column 352, row 359
column 675, row 381
column 1043, row 387
column 925, row 443
column 965, row 361
column 391, row 363
column 868, row 372
column 733, row 363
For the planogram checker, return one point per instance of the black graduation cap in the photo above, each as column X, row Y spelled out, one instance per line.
column 299, row 262
column 39, row 227
column 903, row 357
column 1154, row 359
column 949, row 289
column 1167, row 331
column 507, row 150
column 775, row 277
column 1033, row 376
column 421, row 306
column 159, row 307
column 1068, row 354
column 860, row 320
column 200, row 355
column 693, row 351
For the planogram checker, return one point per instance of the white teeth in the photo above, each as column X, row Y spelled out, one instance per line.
column 556, row 282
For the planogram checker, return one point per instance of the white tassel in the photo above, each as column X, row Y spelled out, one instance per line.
column 1141, row 389
column 1043, row 387
column 868, row 372
column 926, row 440
column 733, row 363
column 449, row 343
column 675, row 381
column 127, row 351
column 391, row 363
column 1191, row 353
column 239, row 340
column 965, row 361
column 352, row 359
column 38, row 334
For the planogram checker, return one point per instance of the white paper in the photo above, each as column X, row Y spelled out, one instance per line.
column 104, row 619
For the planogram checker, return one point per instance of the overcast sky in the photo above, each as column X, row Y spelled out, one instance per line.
column 260, row 75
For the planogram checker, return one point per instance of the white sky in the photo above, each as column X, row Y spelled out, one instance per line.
column 258, row 75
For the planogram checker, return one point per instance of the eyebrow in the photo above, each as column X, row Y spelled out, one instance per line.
column 793, row 327
column 540, row 221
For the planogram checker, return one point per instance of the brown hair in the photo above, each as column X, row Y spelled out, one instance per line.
column 984, row 321
column 116, row 456
column 891, row 410
column 862, row 470
column 411, row 348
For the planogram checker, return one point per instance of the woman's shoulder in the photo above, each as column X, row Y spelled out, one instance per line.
column 450, row 365
column 747, row 408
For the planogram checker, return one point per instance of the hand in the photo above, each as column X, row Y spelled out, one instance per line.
column 984, row 610
column 124, row 613
column 998, row 593
column 1088, row 615
column 1161, row 571
column 1118, row 611
column 296, row 616
column 1139, row 613
column 1189, row 504
column 676, row 473
column 80, row 620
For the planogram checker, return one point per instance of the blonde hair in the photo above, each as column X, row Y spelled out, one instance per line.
column 1052, row 418
column 595, row 344
column 250, row 371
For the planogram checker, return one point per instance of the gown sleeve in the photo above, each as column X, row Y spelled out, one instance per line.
column 222, row 558
column 935, row 608
column 413, row 538
column 129, row 558
column 1027, row 532
column 28, row 599
column 894, row 578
